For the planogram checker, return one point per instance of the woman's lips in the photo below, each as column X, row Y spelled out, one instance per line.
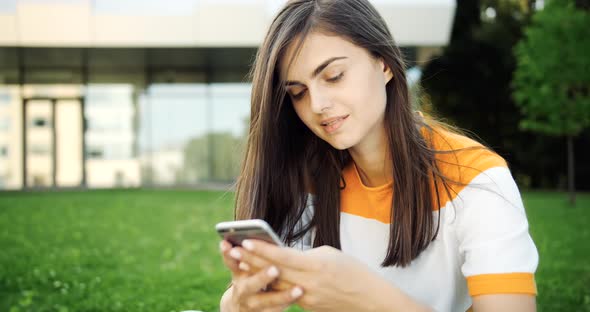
column 334, row 124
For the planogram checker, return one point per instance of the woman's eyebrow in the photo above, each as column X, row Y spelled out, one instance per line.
column 318, row 69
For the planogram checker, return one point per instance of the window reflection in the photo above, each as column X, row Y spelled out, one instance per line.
column 230, row 112
column 122, row 117
column 192, row 133
column 110, row 137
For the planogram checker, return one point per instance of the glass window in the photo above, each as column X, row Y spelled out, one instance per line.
column 117, row 151
column 109, row 96
column 191, row 133
column 111, row 123
column 230, row 103
column 5, row 99
column 109, row 151
column 39, row 149
column 94, row 152
column 7, row 6
column 109, row 115
column 4, row 123
column 39, row 122
column 173, row 128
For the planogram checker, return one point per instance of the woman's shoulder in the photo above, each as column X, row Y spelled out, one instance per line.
column 459, row 157
column 458, row 148
column 472, row 171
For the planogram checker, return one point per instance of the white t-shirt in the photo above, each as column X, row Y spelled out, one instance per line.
column 483, row 244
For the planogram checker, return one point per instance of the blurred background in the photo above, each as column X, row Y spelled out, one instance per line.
column 108, row 93
column 122, row 124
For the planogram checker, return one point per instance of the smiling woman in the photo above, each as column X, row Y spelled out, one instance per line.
column 344, row 97
column 391, row 210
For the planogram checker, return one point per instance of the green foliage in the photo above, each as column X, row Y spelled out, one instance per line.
column 471, row 85
column 552, row 78
column 157, row 251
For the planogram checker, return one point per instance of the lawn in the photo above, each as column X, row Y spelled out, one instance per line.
column 139, row 250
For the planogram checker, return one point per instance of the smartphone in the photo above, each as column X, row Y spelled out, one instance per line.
column 237, row 231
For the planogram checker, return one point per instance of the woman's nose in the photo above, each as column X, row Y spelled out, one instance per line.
column 319, row 102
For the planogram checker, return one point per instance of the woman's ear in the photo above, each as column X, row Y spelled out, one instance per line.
column 387, row 73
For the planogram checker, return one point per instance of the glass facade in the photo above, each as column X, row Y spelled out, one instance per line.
column 129, row 117
column 192, row 133
column 123, row 117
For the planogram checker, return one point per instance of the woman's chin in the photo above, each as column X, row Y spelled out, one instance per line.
column 340, row 144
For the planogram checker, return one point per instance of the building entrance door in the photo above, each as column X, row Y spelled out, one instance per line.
column 53, row 142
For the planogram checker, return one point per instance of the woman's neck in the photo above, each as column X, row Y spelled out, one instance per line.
column 373, row 161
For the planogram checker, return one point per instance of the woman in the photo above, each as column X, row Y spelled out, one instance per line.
column 390, row 210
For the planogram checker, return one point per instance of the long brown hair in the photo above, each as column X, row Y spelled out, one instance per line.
column 284, row 160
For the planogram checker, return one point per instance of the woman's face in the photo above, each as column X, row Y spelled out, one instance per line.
column 337, row 90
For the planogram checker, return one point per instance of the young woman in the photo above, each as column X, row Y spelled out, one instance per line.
column 388, row 210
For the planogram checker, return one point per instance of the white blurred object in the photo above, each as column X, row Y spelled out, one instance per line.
column 413, row 75
column 192, row 23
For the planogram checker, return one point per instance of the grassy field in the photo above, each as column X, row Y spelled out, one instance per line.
column 157, row 250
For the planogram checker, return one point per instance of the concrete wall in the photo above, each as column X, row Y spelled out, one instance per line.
column 191, row 23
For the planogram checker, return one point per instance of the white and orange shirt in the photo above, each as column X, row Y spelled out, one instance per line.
column 483, row 244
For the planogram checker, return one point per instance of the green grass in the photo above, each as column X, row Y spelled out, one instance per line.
column 562, row 236
column 111, row 251
column 157, row 250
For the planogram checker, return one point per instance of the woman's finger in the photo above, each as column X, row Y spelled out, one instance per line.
column 252, row 263
column 253, row 284
column 283, row 256
column 275, row 300
column 290, row 277
column 231, row 263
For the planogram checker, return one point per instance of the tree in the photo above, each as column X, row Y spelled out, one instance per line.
column 552, row 78
column 469, row 84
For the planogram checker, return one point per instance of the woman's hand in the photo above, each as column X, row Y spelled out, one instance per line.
column 258, row 264
column 247, row 292
column 331, row 280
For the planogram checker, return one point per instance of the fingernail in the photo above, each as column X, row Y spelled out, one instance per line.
column 243, row 266
column 223, row 246
column 272, row 272
column 296, row 292
column 247, row 245
column 234, row 253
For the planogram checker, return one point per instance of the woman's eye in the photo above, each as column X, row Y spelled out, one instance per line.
column 335, row 78
column 298, row 95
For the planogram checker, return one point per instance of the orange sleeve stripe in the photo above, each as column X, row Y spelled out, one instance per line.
column 511, row 283
column 463, row 165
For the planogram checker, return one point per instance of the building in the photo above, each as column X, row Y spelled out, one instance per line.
column 93, row 93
